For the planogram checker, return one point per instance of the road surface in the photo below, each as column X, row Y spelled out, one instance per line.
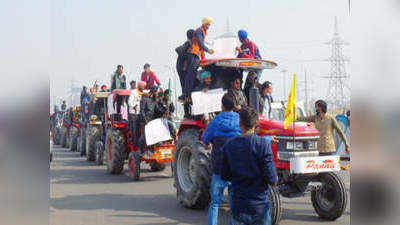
column 82, row 193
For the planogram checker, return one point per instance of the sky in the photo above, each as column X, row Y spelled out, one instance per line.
column 89, row 38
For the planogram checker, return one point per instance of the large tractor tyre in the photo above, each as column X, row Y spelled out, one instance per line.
column 99, row 153
column 275, row 205
column 330, row 200
column 93, row 135
column 83, row 141
column 192, row 171
column 73, row 139
column 63, row 139
column 115, row 145
column 156, row 166
column 134, row 165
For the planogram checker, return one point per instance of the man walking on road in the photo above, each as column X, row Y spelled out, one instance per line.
column 222, row 128
column 248, row 164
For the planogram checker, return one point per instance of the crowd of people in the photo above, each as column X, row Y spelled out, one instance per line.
column 241, row 160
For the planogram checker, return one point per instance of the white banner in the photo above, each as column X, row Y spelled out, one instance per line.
column 207, row 102
column 157, row 131
column 302, row 165
column 224, row 48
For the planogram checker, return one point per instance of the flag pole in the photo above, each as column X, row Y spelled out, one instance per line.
column 294, row 110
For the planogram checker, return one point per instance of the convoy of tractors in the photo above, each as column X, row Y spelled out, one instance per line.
column 105, row 138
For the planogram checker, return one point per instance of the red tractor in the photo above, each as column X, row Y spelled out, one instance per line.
column 297, row 161
column 119, row 145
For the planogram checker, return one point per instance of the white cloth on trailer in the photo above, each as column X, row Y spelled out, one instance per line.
column 157, row 131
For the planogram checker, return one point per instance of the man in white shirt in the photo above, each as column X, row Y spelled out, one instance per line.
column 134, row 110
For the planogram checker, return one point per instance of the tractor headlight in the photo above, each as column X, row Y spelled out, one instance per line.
column 312, row 145
column 294, row 145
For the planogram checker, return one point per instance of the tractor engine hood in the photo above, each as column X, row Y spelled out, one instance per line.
column 274, row 127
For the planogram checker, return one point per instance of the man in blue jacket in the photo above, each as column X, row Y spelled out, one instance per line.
column 224, row 126
column 248, row 164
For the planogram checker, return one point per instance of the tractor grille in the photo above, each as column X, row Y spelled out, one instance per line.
column 302, row 146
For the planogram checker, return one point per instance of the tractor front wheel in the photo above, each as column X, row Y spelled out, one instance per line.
column 82, row 141
column 63, row 139
column 99, row 153
column 115, row 151
column 93, row 135
column 329, row 200
column 134, row 165
column 73, row 139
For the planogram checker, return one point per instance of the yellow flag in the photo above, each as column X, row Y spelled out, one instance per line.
column 291, row 106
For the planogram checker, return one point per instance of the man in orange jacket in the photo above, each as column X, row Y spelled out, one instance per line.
column 195, row 54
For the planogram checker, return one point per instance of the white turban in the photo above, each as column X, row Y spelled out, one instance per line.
column 207, row 19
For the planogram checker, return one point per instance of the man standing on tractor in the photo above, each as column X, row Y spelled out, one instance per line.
column 181, row 62
column 195, row 54
column 325, row 124
column 236, row 93
column 64, row 106
column 248, row 164
column 248, row 49
column 168, row 103
column 118, row 81
column 224, row 126
column 149, row 77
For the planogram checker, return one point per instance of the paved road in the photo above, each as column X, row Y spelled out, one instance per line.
column 84, row 194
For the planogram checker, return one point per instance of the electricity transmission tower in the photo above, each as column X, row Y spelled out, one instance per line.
column 338, row 95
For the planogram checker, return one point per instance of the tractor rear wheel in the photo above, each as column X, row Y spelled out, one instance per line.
column 192, row 171
column 330, row 200
column 99, row 153
column 275, row 206
column 73, row 139
column 134, row 165
column 115, row 145
column 93, row 135
column 156, row 166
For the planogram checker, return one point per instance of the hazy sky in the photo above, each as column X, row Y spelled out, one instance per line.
column 89, row 38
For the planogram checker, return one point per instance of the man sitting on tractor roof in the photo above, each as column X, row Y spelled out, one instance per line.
column 236, row 93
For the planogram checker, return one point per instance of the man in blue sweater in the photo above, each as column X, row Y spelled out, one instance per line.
column 224, row 126
column 248, row 164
